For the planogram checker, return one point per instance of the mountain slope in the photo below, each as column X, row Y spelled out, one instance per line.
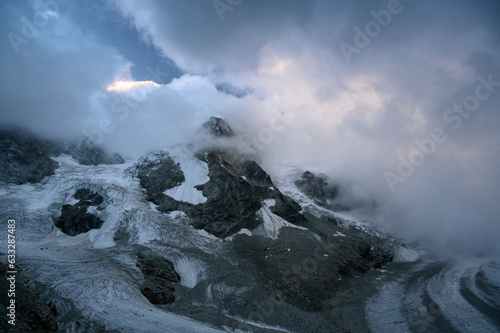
column 222, row 238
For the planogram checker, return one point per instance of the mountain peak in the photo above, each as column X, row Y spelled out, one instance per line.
column 218, row 127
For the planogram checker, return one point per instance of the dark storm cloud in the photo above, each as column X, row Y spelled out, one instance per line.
column 50, row 70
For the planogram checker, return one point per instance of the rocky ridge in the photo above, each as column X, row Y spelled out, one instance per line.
column 234, row 193
column 24, row 158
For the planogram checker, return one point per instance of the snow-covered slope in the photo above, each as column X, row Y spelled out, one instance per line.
column 80, row 268
column 195, row 172
column 272, row 222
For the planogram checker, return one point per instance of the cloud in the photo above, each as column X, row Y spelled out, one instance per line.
column 125, row 85
column 51, row 83
column 353, row 120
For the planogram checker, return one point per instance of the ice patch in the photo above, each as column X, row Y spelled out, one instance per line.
column 269, row 202
column 245, row 232
column 339, row 234
column 195, row 173
column 272, row 222
column 66, row 159
column 43, row 200
column 257, row 324
column 446, row 286
column 103, row 291
column 191, row 271
column 58, row 238
column 404, row 254
column 92, row 210
column 177, row 214
column 205, row 234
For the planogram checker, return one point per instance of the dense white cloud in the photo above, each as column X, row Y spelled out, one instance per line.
column 355, row 120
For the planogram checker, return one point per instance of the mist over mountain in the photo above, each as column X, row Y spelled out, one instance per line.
column 380, row 112
column 304, row 84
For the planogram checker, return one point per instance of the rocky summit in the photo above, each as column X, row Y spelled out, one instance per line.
column 217, row 127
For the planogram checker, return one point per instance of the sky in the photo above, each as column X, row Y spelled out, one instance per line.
column 396, row 101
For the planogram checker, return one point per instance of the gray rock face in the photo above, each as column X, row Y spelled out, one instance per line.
column 84, row 152
column 217, row 127
column 27, row 159
column 305, row 271
column 319, row 189
column 159, row 274
column 75, row 219
column 231, row 200
column 87, row 153
column 23, row 159
column 158, row 173
column 313, row 186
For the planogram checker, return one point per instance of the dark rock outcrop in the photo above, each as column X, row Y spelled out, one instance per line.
column 23, row 159
column 314, row 186
column 217, row 127
column 75, row 219
column 235, row 191
column 158, row 173
column 32, row 314
column 87, row 153
column 159, row 274
column 231, row 200
column 84, row 152
column 319, row 189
